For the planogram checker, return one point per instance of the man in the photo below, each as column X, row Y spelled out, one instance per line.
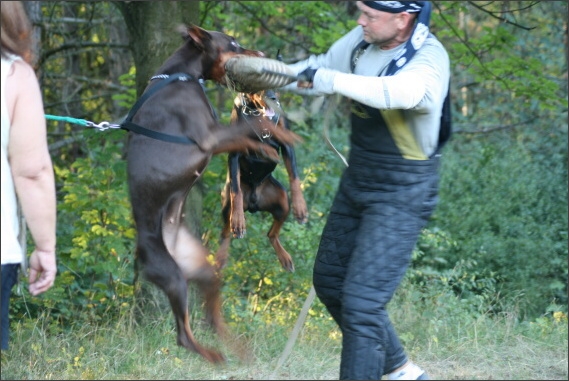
column 397, row 75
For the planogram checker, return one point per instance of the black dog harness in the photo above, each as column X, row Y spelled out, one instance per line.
column 129, row 125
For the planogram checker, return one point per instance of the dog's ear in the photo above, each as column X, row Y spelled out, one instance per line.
column 182, row 29
column 196, row 34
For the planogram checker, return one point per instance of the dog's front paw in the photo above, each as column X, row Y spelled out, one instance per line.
column 301, row 216
column 239, row 233
column 238, row 226
column 299, row 209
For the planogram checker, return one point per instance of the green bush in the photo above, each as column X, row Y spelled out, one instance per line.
column 504, row 203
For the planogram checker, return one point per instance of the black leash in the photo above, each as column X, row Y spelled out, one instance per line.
column 129, row 125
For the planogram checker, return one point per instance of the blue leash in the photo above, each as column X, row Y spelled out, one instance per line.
column 82, row 122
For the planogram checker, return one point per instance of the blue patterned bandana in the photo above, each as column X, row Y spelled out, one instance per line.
column 420, row 33
column 395, row 6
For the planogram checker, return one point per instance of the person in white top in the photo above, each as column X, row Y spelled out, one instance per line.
column 396, row 75
column 27, row 170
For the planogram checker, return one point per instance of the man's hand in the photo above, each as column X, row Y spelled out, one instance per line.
column 321, row 80
column 306, row 78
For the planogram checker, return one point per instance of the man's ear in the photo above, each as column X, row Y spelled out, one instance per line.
column 405, row 20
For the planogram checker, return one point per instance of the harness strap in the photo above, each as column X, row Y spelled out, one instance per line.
column 129, row 125
column 133, row 127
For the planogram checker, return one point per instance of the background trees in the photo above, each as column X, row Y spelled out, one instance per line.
column 497, row 240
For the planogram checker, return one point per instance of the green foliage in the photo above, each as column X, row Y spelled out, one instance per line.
column 508, row 213
column 309, row 25
column 505, row 59
column 96, row 237
column 504, row 177
column 127, row 98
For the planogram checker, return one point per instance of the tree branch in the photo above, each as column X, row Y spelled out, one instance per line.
column 89, row 80
column 78, row 45
column 502, row 19
column 474, row 54
column 61, row 143
column 263, row 23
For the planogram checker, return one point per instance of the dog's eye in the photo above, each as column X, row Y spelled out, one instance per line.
column 235, row 44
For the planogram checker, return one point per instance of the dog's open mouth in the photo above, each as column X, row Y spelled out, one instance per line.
column 269, row 112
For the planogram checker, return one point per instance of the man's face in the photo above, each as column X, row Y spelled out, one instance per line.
column 380, row 28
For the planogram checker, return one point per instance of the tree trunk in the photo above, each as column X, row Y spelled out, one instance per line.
column 153, row 38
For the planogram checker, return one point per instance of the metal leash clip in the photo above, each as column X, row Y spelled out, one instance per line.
column 102, row 126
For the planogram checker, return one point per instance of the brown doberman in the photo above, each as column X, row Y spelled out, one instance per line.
column 174, row 133
column 250, row 184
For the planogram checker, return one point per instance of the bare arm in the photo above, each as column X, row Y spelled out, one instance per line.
column 32, row 171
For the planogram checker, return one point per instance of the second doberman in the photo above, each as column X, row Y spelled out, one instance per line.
column 251, row 186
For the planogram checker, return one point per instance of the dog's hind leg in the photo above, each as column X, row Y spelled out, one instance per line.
column 225, row 236
column 170, row 260
column 237, row 196
column 299, row 209
column 191, row 257
column 272, row 197
column 226, row 201
column 161, row 269
column 225, row 240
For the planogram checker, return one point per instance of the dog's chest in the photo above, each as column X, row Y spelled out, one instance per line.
column 254, row 170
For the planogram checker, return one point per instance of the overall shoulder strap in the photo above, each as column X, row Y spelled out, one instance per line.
column 358, row 50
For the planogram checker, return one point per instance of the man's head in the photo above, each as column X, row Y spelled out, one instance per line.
column 388, row 23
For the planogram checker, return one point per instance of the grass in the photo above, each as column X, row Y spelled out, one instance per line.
column 449, row 347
